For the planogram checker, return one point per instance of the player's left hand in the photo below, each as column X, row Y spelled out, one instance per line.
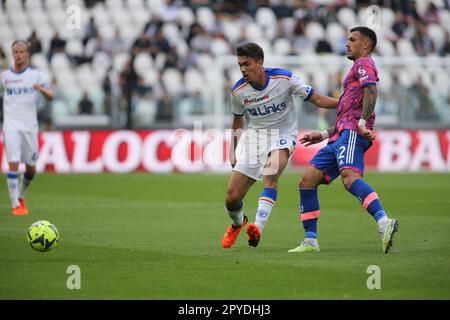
column 37, row 87
column 366, row 133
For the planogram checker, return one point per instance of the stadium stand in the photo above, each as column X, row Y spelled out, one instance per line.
column 168, row 47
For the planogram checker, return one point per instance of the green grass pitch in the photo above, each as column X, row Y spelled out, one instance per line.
column 144, row 236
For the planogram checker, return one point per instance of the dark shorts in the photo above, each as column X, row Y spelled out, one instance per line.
column 345, row 153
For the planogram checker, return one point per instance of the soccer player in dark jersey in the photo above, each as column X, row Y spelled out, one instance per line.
column 349, row 139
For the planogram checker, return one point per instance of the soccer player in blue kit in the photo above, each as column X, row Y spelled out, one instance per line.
column 264, row 148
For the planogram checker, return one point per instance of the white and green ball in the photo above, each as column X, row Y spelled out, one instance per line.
column 42, row 235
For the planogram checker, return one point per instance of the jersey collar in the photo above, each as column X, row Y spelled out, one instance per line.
column 261, row 88
column 18, row 72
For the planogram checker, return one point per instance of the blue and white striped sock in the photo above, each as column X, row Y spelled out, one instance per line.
column 13, row 187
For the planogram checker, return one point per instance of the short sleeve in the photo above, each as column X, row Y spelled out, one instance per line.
column 366, row 74
column 43, row 80
column 298, row 87
column 236, row 106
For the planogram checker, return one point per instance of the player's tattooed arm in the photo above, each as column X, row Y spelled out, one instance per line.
column 369, row 101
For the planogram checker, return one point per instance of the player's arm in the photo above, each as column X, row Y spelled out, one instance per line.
column 47, row 93
column 323, row 101
column 316, row 136
column 368, row 106
column 237, row 127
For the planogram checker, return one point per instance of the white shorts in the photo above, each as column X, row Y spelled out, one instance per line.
column 21, row 146
column 255, row 146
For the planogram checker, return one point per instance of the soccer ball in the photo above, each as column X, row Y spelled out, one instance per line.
column 42, row 235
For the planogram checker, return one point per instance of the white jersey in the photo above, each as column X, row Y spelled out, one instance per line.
column 270, row 106
column 20, row 99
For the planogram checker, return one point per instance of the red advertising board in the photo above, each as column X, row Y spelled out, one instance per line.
column 181, row 150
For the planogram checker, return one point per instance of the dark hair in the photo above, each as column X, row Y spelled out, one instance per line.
column 369, row 33
column 251, row 50
column 26, row 43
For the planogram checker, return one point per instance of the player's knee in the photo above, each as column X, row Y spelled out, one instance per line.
column 270, row 182
column 307, row 181
column 233, row 199
column 348, row 178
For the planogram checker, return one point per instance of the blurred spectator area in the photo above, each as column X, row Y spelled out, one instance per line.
column 171, row 49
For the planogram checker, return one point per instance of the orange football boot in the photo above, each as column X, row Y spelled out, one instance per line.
column 230, row 236
column 23, row 206
column 254, row 234
column 18, row 211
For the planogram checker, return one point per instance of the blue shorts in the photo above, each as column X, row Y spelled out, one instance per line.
column 345, row 153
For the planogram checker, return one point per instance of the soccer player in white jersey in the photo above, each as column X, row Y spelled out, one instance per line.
column 264, row 149
column 21, row 86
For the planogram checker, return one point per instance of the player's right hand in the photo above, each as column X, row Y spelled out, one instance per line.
column 311, row 138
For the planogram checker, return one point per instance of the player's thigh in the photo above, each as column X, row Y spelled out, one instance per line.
column 325, row 161
column 276, row 163
column 30, row 148
column 238, row 186
column 12, row 141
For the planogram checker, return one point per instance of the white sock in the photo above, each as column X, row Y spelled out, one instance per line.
column 263, row 213
column 237, row 217
column 13, row 188
column 382, row 223
column 311, row 241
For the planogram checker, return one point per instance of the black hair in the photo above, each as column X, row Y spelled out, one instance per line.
column 251, row 50
column 369, row 33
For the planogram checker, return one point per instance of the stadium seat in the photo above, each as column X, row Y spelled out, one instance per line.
column 39, row 60
column 172, row 81
column 151, row 77
column 182, row 48
column 282, row 46
column 232, row 30
column 186, row 16
column 145, row 112
column 193, row 80
column 23, row 31
column 335, row 34
column 219, row 47
column 171, row 32
column 442, row 81
column 387, row 18
column 53, row 4
column 12, row 6
column 135, row 4
column 315, row 31
column 385, row 48
column 253, row 32
column 142, row 62
column 154, row 5
column 100, row 64
column 119, row 61
column 204, row 62
column 265, row 17
column 405, row 47
column 106, row 30
column 114, row 5
column 206, row 18
column 346, row 17
column 436, row 33
column 33, row 5
column 74, row 47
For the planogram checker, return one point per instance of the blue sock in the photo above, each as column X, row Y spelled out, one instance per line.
column 309, row 211
column 368, row 198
